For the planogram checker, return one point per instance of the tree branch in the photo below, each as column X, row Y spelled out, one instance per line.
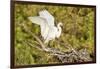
column 60, row 55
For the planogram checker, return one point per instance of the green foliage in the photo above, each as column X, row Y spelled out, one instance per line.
column 77, row 32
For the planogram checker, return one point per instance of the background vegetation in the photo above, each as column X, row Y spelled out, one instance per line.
column 77, row 32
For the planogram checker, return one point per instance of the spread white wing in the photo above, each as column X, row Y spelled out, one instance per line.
column 37, row 20
column 45, row 14
column 43, row 25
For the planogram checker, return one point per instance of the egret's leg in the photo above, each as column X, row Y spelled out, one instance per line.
column 52, row 43
column 46, row 42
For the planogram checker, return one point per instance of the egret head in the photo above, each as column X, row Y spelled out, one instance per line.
column 60, row 24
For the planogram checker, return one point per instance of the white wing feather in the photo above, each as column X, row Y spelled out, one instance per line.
column 37, row 20
column 43, row 25
column 45, row 14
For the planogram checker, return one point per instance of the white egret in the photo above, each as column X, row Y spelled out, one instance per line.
column 46, row 21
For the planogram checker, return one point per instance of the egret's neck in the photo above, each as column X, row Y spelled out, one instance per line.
column 59, row 30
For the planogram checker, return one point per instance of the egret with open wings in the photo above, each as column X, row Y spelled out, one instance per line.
column 46, row 21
